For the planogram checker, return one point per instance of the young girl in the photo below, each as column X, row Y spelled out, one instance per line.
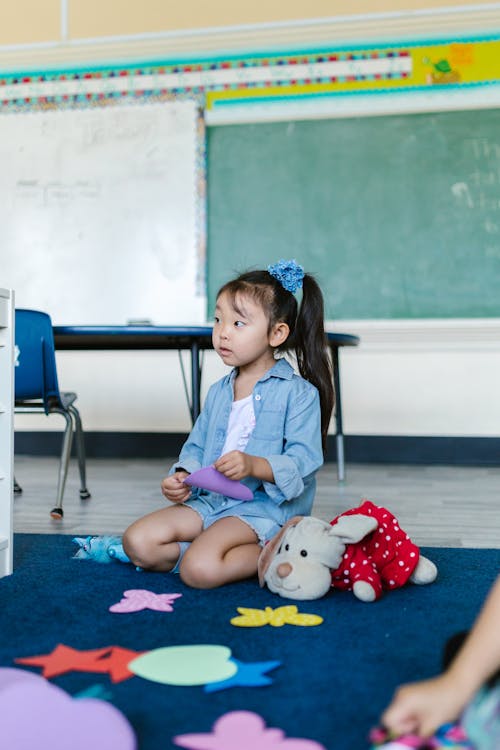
column 261, row 423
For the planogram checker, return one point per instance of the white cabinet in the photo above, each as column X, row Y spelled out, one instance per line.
column 6, row 428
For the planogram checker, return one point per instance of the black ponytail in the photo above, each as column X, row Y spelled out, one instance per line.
column 311, row 349
column 307, row 333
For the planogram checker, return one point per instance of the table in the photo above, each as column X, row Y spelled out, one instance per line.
column 191, row 338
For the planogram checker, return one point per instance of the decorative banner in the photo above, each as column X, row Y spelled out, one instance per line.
column 326, row 72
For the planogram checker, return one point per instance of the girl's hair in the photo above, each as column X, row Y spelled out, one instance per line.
column 306, row 323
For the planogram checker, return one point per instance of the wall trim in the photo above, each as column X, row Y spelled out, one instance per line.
column 459, row 334
column 459, row 20
column 376, row 449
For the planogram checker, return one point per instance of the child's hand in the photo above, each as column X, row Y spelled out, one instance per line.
column 422, row 707
column 174, row 489
column 235, row 465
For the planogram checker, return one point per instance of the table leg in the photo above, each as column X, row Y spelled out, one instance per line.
column 339, row 435
column 195, row 381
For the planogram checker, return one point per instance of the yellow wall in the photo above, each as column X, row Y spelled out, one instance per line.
column 29, row 21
column 35, row 21
column 92, row 18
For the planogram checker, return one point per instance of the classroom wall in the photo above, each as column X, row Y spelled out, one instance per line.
column 36, row 34
column 32, row 21
column 433, row 377
column 90, row 18
column 430, row 381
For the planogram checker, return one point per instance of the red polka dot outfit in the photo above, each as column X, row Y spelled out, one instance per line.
column 385, row 558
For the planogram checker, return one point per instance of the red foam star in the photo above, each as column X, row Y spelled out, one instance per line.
column 65, row 659
column 112, row 660
column 116, row 663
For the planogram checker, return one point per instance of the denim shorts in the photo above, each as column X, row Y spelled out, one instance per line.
column 212, row 508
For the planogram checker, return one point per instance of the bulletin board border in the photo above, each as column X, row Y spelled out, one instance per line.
column 383, row 69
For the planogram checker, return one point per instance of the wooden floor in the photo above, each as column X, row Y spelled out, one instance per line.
column 438, row 506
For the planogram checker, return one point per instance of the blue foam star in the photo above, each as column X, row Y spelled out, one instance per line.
column 250, row 674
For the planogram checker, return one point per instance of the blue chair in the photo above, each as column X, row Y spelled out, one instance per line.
column 37, row 391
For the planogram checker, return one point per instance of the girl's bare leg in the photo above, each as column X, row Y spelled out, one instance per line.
column 227, row 551
column 152, row 541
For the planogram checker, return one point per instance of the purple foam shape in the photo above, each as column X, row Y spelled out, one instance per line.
column 39, row 714
column 209, row 478
column 11, row 675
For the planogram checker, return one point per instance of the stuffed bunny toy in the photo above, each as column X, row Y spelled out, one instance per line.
column 364, row 550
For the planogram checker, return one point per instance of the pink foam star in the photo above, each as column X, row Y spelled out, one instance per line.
column 246, row 731
column 134, row 600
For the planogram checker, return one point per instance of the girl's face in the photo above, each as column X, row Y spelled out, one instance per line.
column 240, row 334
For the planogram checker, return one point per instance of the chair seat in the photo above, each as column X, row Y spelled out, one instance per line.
column 66, row 399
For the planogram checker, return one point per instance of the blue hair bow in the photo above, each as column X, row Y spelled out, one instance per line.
column 288, row 273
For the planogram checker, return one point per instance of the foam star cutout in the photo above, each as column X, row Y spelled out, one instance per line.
column 134, row 600
column 116, row 663
column 246, row 731
column 287, row 615
column 112, row 660
column 65, row 659
column 95, row 691
column 249, row 674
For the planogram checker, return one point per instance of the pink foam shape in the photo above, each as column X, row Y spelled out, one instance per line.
column 244, row 730
column 135, row 600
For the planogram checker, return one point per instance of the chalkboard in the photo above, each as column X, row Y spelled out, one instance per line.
column 398, row 216
column 99, row 212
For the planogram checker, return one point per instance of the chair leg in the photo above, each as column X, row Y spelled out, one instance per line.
column 80, row 451
column 17, row 487
column 57, row 511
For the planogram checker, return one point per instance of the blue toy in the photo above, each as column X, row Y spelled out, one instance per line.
column 102, row 549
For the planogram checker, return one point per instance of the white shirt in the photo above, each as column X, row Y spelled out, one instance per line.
column 241, row 424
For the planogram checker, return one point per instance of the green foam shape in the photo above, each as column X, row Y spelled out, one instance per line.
column 185, row 665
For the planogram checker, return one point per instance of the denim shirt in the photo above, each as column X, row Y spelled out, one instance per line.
column 287, row 433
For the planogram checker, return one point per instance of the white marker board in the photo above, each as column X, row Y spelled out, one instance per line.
column 101, row 215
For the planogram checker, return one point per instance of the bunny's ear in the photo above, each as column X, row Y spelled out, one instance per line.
column 269, row 549
column 83, row 542
column 352, row 529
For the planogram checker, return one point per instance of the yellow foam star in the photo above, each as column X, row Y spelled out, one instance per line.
column 288, row 615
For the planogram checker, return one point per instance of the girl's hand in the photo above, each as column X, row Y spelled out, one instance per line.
column 174, row 489
column 235, row 465
column 422, row 707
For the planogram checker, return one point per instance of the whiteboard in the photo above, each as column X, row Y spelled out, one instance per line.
column 100, row 213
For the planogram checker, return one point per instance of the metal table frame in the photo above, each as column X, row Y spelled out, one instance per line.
column 195, row 339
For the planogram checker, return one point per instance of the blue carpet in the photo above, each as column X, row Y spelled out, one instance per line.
column 333, row 681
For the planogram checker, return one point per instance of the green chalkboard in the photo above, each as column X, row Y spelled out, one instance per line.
column 398, row 216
